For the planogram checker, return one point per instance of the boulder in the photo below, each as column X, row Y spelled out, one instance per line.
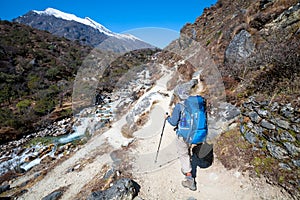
column 296, row 163
column 287, row 110
column 122, row 189
column 284, row 166
column 240, row 48
column 296, row 128
column 292, row 149
column 54, row 195
column 258, row 130
column 4, row 188
column 281, row 123
column 275, row 107
column 262, row 113
column 228, row 111
column 286, row 136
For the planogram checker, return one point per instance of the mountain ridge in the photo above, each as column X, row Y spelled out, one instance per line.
column 87, row 21
column 85, row 30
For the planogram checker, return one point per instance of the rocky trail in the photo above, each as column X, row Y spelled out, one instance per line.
column 76, row 176
column 163, row 179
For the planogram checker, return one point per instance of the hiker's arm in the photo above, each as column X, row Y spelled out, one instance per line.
column 174, row 119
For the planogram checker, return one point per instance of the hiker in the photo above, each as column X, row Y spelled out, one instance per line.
column 183, row 147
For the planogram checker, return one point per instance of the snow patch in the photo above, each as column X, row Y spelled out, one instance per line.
column 87, row 21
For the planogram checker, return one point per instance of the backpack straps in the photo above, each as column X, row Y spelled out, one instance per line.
column 182, row 107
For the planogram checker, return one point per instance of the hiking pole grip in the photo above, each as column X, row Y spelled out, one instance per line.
column 160, row 138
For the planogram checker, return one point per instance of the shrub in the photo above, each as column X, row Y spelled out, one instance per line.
column 52, row 73
column 33, row 82
column 44, row 106
column 281, row 68
column 23, row 105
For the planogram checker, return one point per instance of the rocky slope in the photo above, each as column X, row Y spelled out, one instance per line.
column 255, row 45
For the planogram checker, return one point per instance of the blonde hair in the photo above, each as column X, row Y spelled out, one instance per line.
column 174, row 100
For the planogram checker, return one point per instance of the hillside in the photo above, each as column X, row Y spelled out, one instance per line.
column 37, row 74
column 112, row 165
column 37, row 70
column 267, row 61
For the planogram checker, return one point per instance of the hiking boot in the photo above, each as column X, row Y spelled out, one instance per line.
column 189, row 182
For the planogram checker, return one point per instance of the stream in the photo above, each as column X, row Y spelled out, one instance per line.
column 24, row 157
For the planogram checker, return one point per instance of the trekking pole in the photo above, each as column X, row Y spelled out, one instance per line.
column 160, row 139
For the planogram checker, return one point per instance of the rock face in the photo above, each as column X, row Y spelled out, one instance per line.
column 240, row 47
column 123, row 189
column 287, row 18
column 241, row 41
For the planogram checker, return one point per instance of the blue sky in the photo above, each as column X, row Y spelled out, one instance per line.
column 118, row 15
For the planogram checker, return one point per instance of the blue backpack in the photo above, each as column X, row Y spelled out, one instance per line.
column 193, row 120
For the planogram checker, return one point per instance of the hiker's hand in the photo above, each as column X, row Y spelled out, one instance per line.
column 167, row 115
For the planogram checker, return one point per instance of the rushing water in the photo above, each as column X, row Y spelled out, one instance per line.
column 24, row 158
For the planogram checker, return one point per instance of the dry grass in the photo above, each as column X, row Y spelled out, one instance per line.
column 233, row 151
column 98, row 183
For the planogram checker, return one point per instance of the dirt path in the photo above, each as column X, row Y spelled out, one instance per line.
column 214, row 182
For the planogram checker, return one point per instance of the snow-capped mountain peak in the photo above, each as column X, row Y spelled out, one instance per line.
column 87, row 21
column 85, row 30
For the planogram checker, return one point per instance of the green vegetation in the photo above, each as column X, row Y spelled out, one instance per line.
column 37, row 70
column 7, row 118
column 23, row 105
column 208, row 42
column 66, row 112
column 41, row 140
column 44, row 106
column 52, row 73
column 263, row 164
